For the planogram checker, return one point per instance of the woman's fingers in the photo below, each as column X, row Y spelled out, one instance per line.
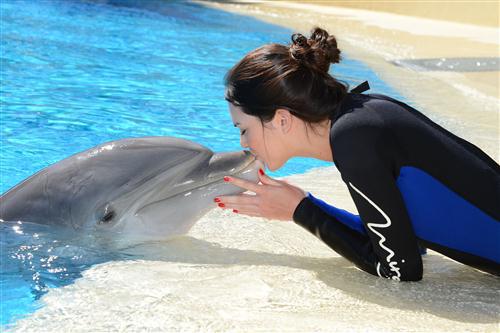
column 240, row 205
column 245, row 210
column 273, row 199
column 266, row 180
column 245, row 184
column 248, row 212
column 238, row 200
column 246, row 204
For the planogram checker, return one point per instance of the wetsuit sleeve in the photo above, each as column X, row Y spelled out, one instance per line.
column 338, row 229
column 365, row 156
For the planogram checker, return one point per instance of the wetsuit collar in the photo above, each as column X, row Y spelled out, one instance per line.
column 349, row 99
column 362, row 87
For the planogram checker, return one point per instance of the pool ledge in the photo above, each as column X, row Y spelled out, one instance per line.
column 378, row 39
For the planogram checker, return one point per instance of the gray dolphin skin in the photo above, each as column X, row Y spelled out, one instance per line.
column 138, row 188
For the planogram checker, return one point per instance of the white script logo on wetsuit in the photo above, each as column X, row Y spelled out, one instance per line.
column 372, row 226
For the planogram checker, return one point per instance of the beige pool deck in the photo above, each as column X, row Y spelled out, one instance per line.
column 467, row 103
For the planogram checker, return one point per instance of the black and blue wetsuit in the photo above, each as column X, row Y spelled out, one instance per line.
column 414, row 184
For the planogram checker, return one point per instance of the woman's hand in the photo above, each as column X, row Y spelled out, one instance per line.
column 273, row 199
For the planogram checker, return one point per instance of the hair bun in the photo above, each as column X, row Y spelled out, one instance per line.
column 318, row 51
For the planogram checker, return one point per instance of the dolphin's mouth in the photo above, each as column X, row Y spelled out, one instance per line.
column 216, row 178
column 161, row 210
column 235, row 170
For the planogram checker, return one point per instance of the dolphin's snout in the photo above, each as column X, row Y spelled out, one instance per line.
column 223, row 164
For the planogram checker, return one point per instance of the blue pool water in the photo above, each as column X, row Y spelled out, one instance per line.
column 78, row 73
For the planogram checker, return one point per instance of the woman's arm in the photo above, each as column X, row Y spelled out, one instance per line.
column 338, row 229
column 381, row 248
column 365, row 154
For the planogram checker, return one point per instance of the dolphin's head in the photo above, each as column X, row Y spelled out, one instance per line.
column 174, row 193
column 140, row 188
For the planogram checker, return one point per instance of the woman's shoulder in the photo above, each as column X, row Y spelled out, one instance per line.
column 357, row 114
column 366, row 112
column 362, row 129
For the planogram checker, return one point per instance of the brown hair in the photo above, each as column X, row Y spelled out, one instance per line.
column 293, row 77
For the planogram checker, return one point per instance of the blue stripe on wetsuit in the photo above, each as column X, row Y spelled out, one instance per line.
column 441, row 216
column 351, row 220
column 348, row 219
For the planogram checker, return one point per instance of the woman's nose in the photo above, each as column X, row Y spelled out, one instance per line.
column 243, row 143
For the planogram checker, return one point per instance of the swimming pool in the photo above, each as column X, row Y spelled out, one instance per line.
column 78, row 73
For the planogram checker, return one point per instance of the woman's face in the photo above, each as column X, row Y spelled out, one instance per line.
column 264, row 141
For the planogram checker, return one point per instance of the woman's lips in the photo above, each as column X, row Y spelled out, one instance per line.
column 262, row 162
column 254, row 154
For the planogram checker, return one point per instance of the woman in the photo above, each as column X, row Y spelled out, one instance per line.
column 413, row 182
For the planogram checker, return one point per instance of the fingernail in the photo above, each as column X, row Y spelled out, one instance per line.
column 222, row 205
column 217, row 200
column 261, row 172
column 235, row 211
column 226, row 179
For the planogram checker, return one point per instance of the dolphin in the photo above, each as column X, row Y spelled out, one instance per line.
column 148, row 188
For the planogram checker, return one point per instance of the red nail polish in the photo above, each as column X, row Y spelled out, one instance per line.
column 235, row 211
column 217, row 200
column 222, row 205
column 261, row 172
column 226, row 178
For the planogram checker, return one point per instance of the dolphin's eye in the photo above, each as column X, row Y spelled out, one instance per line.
column 107, row 217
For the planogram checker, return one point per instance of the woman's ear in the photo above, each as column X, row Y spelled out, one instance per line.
column 282, row 120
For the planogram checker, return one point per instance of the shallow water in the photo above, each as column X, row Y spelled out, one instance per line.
column 69, row 83
column 233, row 273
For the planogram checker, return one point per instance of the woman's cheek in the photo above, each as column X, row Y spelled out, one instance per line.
column 252, row 145
column 276, row 159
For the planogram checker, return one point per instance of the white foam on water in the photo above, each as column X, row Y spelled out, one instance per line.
column 241, row 274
